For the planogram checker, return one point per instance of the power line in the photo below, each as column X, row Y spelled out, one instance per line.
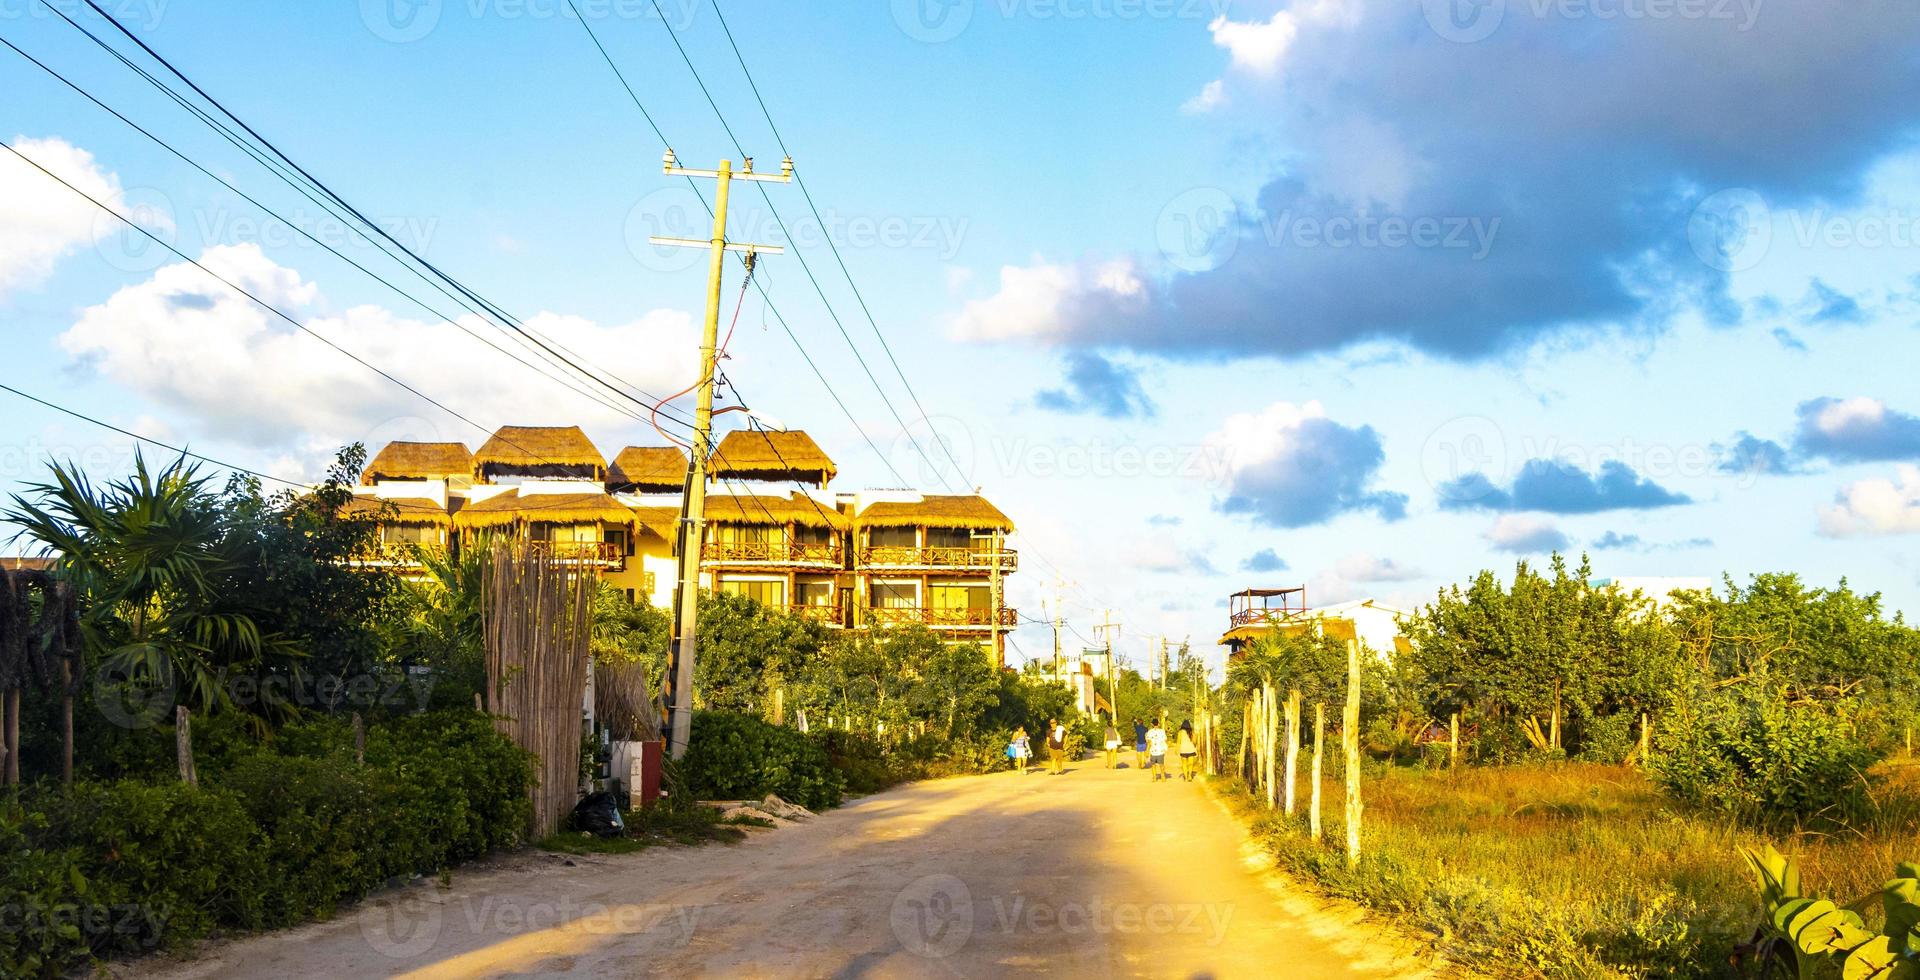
column 834, row 248
column 486, row 308
column 600, row 400
column 137, row 437
column 804, row 267
column 758, row 286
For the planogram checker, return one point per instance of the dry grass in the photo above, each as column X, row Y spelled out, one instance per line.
column 1570, row 870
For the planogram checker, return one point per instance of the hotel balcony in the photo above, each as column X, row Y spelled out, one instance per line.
column 938, row 559
column 608, row 555
column 832, row 613
column 1266, row 617
column 1003, row 619
column 825, row 555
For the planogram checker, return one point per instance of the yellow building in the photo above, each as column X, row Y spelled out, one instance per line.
column 849, row 560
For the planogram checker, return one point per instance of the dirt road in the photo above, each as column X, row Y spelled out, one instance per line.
column 1093, row 873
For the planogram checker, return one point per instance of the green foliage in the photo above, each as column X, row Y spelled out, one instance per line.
column 734, row 756
column 1755, row 752
column 1811, row 937
column 1609, row 739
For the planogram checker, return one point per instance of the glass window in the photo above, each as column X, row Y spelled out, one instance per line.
column 766, row 593
column 893, row 537
column 902, row 596
column 813, row 593
column 949, row 537
column 957, row 598
column 421, row 534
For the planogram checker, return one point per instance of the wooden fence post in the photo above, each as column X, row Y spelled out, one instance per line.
column 359, row 739
column 1319, row 731
column 1293, row 745
column 1350, row 735
column 66, row 721
column 183, row 744
column 1246, row 734
column 1272, row 737
column 10, row 738
column 1453, row 741
column 1646, row 737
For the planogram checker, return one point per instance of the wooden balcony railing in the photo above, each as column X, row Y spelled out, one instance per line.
column 831, row 613
column 902, row 557
column 772, row 553
column 397, row 555
column 1268, row 617
column 601, row 554
column 980, row 618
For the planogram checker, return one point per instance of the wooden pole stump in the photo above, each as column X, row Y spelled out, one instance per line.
column 1313, row 805
column 1350, row 735
column 183, row 744
column 1293, row 747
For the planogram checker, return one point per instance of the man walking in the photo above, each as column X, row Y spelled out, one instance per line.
column 1139, row 744
column 1056, row 747
column 1157, row 752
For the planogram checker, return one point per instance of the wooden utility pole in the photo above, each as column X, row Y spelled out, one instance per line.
column 1313, row 807
column 1350, row 738
column 692, row 528
column 1106, row 631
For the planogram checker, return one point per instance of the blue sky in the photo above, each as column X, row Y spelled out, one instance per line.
column 1368, row 295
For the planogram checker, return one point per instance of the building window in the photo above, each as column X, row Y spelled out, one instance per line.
column 960, row 598
column 766, row 593
column 745, row 534
column 419, row 534
column 619, row 538
column 905, row 595
column 813, row 593
column 950, row 537
column 565, row 533
column 893, row 537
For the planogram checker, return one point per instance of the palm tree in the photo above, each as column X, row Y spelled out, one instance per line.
column 145, row 555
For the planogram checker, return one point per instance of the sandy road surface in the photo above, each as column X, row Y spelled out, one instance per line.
column 1094, row 873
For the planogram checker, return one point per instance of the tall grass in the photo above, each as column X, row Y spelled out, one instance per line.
column 1573, row 870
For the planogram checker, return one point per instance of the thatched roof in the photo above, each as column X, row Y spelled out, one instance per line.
column 936, row 510
column 558, row 508
column 649, row 468
column 750, row 454
column 798, row 508
column 419, row 461
column 539, row 445
column 660, row 520
column 406, row 510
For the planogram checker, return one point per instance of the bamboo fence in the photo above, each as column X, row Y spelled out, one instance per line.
column 537, row 622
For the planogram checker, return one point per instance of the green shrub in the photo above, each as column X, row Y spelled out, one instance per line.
column 734, row 756
column 1609, row 739
column 44, row 900
column 1755, row 753
column 329, row 835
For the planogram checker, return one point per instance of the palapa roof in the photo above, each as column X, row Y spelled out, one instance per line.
column 960, row 510
column 558, row 508
column 649, row 468
column 751, row 454
column 758, row 509
column 405, row 510
column 539, row 445
column 419, row 461
column 659, row 520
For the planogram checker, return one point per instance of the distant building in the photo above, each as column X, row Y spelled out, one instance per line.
column 849, row 560
column 1255, row 613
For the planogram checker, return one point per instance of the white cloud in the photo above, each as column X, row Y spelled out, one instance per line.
column 1033, row 301
column 1211, row 97
column 1362, row 567
column 1835, row 416
column 41, row 221
column 1291, row 466
column 185, row 340
column 1875, row 506
column 1523, row 533
column 1165, row 553
column 1261, row 46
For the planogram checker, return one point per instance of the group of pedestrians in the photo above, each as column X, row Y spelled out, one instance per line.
column 1149, row 748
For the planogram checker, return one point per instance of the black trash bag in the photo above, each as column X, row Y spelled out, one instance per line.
column 599, row 815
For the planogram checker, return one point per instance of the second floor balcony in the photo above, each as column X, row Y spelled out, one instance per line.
column 898, row 556
column 821, row 554
column 1004, row 618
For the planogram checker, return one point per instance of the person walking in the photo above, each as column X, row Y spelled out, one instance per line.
column 1113, row 745
column 1139, row 744
column 1056, row 747
column 1019, row 750
column 1189, row 752
column 1157, row 751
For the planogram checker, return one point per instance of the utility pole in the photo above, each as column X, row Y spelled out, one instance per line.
column 1106, row 630
column 1058, row 622
column 692, row 529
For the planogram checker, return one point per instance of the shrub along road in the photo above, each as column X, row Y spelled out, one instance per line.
column 1090, row 873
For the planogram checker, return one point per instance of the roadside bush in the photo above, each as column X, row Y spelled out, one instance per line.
column 1752, row 752
column 328, row 832
column 734, row 756
column 1609, row 739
